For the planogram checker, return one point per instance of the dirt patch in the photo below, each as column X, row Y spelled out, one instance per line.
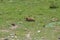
column 13, row 27
column 4, row 30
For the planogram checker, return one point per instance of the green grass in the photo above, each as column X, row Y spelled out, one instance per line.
column 16, row 11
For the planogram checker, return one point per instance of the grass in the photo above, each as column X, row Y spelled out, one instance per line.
column 17, row 10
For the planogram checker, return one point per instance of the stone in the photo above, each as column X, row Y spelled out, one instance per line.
column 38, row 31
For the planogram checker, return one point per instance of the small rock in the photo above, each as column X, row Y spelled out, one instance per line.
column 28, row 35
column 38, row 31
column 15, row 36
column 11, row 34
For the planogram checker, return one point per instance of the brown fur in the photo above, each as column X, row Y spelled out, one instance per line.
column 13, row 24
column 30, row 19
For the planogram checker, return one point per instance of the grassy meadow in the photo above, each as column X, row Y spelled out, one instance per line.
column 15, row 12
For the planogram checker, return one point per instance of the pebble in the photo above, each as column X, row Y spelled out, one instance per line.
column 38, row 31
column 15, row 36
column 12, row 36
column 28, row 35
